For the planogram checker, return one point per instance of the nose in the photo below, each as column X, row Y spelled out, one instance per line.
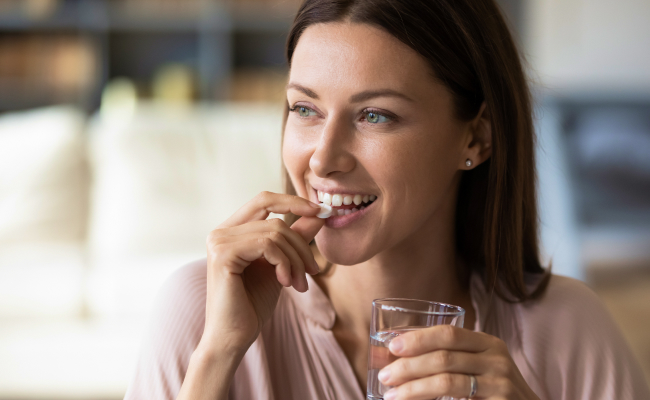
column 333, row 153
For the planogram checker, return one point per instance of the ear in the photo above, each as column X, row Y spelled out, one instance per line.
column 478, row 144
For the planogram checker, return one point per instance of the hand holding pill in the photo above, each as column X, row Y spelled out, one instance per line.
column 250, row 258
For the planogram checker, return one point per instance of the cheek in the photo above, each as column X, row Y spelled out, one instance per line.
column 295, row 156
column 416, row 174
column 432, row 166
column 423, row 161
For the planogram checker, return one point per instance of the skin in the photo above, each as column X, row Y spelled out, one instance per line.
column 412, row 157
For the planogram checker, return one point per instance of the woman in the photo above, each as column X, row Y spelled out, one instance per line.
column 415, row 117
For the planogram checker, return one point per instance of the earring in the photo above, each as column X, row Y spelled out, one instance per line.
column 468, row 162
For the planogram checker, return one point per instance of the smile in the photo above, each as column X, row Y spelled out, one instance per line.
column 346, row 204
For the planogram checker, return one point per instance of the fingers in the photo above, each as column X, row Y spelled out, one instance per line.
column 453, row 385
column 265, row 203
column 238, row 254
column 308, row 227
column 290, row 273
column 288, row 247
column 440, row 337
column 440, row 361
column 300, row 242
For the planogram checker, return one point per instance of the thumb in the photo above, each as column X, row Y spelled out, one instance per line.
column 308, row 227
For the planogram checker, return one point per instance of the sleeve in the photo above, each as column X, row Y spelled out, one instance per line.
column 174, row 331
column 576, row 349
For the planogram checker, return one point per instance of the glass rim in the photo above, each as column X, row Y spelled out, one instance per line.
column 459, row 310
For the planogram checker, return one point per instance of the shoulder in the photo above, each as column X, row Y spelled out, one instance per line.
column 567, row 311
column 182, row 299
column 574, row 345
column 183, row 296
column 174, row 331
column 190, row 279
column 565, row 297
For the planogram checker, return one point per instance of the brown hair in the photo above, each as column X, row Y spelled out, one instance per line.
column 471, row 51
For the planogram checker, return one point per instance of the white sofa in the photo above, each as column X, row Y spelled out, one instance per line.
column 95, row 214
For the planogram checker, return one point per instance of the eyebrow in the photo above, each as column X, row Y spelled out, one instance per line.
column 355, row 98
column 303, row 89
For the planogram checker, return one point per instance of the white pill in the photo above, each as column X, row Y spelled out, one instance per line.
column 325, row 211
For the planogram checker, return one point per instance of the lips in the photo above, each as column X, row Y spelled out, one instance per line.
column 343, row 216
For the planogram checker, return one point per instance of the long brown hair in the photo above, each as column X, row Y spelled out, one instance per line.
column 471, row 51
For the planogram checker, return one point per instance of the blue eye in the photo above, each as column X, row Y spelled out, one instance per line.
column 304, row 111
column 376, row 118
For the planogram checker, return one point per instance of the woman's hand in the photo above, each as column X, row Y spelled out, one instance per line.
column 437, row 362
column 250, row 258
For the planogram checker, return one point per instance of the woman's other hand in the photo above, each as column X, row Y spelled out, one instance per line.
column 437, row 362
column 249, row 259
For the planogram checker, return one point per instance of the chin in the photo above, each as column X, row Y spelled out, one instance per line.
column 347, row 254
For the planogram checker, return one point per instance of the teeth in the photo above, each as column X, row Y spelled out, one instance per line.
column 337, row 200
column 327, row 199
column 327, row 211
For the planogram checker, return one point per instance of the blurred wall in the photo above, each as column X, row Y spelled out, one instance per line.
column 591, row 67
column 589, row 44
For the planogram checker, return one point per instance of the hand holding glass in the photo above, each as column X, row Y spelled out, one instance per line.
column 394, row 317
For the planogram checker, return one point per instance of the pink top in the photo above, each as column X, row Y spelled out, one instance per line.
column 565, row 344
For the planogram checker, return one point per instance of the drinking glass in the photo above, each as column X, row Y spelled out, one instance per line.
column 394, row 317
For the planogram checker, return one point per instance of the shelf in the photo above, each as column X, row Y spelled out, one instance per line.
column 214, row 38
column 211, row 19
column 262, row 19
column 18, row 23
column 103, row 17
column 83, row 15
column 595, row 96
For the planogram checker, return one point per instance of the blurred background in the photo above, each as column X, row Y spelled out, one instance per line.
column 130, row 128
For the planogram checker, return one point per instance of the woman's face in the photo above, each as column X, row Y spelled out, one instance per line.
column 370, row 119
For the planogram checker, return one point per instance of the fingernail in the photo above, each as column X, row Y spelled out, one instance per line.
column 315, row 268
column 384, row 374
column 390, row 395
column 396, row 345
column 314, row 205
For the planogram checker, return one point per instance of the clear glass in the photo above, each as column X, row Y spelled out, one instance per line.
column 393, row 317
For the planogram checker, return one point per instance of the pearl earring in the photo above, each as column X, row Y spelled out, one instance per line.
column 468, row 162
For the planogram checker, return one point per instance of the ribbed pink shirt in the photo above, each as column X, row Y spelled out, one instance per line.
column 565, row 344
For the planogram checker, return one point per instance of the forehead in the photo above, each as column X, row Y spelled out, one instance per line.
column 356, row 56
